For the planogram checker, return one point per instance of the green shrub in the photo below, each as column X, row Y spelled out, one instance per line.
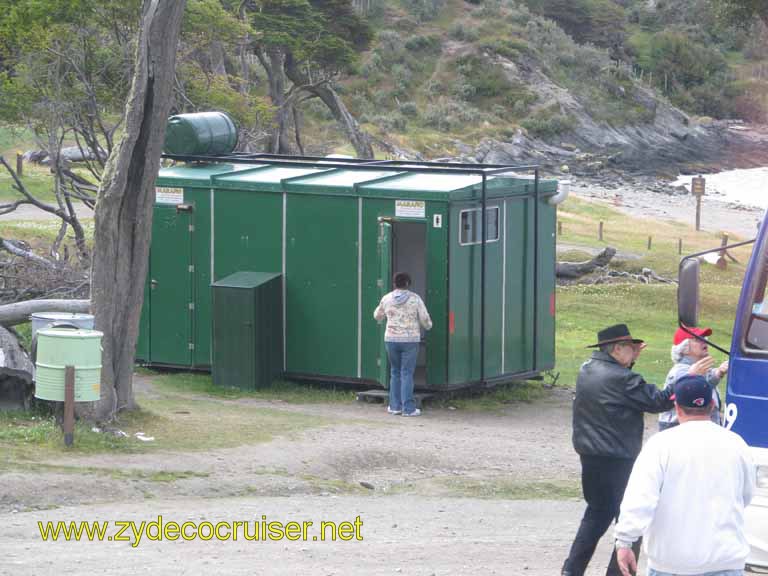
column 447, row 114
column 408, row 109
column 510, row 48
column 423, row 43
column 360, row 103
column 391, row 122
column 490, row 9
column 598, row 22
column 548, row 122
column 463, row 32
column 486, row 79
column 372, row 65
column 424, row 9
column 690, row 62
column 390, row 49
column 518, row 13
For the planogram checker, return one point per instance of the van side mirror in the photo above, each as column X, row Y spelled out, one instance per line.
column 688, row 292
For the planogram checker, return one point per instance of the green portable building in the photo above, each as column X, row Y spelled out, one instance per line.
column 337, row 232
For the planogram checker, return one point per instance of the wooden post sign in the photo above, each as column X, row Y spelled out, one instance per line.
column 698, row 185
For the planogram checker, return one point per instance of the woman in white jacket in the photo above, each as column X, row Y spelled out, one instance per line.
column 406, row 316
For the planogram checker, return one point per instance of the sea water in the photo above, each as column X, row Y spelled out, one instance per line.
column 748, row 187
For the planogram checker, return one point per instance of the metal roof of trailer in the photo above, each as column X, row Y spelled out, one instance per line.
column 264, row 178
column 441, row 186
column 196, row 175
column 338, row 181
column 388, row 179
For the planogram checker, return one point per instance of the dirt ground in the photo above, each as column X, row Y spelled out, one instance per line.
column 451, row 492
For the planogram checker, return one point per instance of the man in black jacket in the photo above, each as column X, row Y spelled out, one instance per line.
column 608, row 423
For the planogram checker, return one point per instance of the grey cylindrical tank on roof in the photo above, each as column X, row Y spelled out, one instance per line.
column 204, row 133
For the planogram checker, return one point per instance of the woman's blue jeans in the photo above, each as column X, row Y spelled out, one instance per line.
column 402, row 360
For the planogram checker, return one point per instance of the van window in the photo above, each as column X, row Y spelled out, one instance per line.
column 757, row 327
column 469, row 226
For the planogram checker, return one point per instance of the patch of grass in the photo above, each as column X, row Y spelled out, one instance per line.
column 580, row 222
column 510, row 490
column 26, row 436
column 649, row 310
column 24, row 332
column 40, row 234
column 178, row 422
column 290, row 392
column 496, row 398
column 334, row 486
column 36, row 179
column 163, row 476
column 15, row 139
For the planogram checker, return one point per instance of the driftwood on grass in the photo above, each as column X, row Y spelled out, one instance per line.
column 646, row 276
column 19, row 312
column 578, row 269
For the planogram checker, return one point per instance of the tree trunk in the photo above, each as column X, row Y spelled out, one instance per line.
column 124, row 210
column 357, row 137
column 273, row 64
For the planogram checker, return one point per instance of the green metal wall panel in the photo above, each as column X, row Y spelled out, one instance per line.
column 248, row 232
column 200, row 199
column 547, row 256
column 518, row 311
column 437, row 293
column 436, row 297
column 170, row 319
column 464, row 289
column 321, row 285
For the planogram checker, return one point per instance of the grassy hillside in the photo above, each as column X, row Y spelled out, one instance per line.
column 448, row 71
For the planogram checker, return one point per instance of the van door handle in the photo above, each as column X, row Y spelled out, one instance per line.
column 153, row 283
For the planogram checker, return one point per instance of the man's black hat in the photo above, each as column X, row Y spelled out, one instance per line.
column 615, row 333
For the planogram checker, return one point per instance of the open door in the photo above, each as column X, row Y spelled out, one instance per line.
column 384, row 283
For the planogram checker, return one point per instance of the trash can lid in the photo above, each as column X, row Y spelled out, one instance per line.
column 61, row 316
column 69, row 333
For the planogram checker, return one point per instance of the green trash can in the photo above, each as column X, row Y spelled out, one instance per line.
column 59, row 348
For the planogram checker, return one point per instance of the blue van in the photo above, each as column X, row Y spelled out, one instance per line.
column 746, row 409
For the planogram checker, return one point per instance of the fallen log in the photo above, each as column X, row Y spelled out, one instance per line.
column 19, row 312
column 578, row 269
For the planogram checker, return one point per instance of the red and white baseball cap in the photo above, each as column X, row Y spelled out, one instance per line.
column 684, row 333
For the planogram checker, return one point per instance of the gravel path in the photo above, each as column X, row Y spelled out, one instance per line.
column 452, row 492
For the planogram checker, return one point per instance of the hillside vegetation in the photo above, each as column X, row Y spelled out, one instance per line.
column 442, row 73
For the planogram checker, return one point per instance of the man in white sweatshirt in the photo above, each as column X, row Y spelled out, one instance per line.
column 687, row 493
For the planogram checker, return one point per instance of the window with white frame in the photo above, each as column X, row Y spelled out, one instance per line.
column 470, row 230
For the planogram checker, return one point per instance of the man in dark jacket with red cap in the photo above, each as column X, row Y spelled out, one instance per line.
column 608, row 423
